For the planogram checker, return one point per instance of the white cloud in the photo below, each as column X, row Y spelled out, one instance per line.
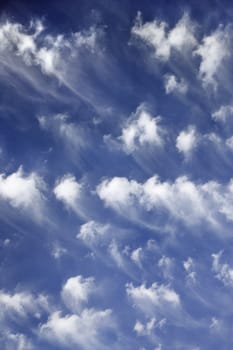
column 137, row 256
column 37, row 48
column 187, row 141
column 58, row 251
column 157, row 35
column 25, row 192
column 189, row 267
column 76, row 292
column 68, row 191
column 223, row 114
column 92, row 233
column 173, row 85
column 141, row 130
column 214, row 50
column 148, row 328
column 224, row 272
column 229, row 142
column 16, row 341
column 118, row 192
column 166, row 265
column 85, row 330
column 183, row 199
column 69, row 133
column 116, row 255
column 22, row 304
column 156, row 299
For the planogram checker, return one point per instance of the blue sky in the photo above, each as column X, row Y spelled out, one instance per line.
column 116, row 185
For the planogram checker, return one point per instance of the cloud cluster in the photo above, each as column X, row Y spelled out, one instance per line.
column 83, row 330
column 214, row 50
column 182, row 199
column 141, row 130
column 21, row 304
column 162, row 40
column 157, row 299
column 83, row 326
column 35, row 47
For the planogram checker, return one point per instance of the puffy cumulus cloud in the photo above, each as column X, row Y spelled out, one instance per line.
column 187, row 141
column 68, row 191
column 76, row 292
column 173, row 85
column 86, row 330
column 24, row 192
column 223, row 271
column 141, row 130
column 156, row 299
column 156, row 34
column 223, row 114
column 22, row 304
column 214, row 51
column 71, row 134
column 118, row 193
column 35, row 47
column 183, row 200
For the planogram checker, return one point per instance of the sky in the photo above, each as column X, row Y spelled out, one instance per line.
column 116, row 175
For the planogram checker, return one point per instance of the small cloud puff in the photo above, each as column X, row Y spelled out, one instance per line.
column 187, row 141
column 76, row 292
column 141, row 130
column 92, row 233
column 173, row 85
column 223, row 114
column 71, row 193
column 148, row 328
column 24, row 192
